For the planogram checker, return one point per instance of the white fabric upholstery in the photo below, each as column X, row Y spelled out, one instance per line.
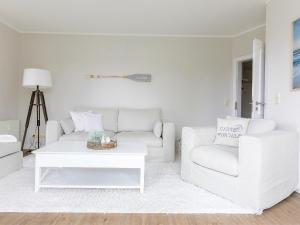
column 9, row 148
column 137, row 119
column 109, row 117
column 267, row 167
column 78, row 119
column 157, row 129
column 223, row 159
column 159, row 148
column 11, row 163
column 93, row 122
column 53, row 131
column 75, row 136
column 11, row 127
column 7, row 138
column 11, row 156
column 258, row 126
column 67, row 125
column 146, row 137
column 169, row 138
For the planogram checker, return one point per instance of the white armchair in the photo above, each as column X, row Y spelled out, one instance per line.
column 11, row 156
column 261, row 172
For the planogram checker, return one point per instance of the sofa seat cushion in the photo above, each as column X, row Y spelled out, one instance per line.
column 80, row 136
column 146, row 137
column 220, row 158
column 9, row 148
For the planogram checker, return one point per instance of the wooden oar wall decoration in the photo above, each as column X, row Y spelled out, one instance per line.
column 134, row 77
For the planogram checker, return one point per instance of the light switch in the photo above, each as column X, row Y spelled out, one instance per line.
column 226, row 102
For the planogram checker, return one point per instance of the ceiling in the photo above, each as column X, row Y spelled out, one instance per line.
column 134, row 17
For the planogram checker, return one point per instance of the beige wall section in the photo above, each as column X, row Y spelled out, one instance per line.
column 280, row 15
column 191, row 76
column 9, row 83
column 243, row 44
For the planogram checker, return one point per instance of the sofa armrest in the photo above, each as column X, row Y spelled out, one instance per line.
column 268, row 168
column 7, row 148
column 169, row 139
column 53, row 131
column 191, row 138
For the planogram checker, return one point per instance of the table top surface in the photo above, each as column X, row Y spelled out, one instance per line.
column 77, row 147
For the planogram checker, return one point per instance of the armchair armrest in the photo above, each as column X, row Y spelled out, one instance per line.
column 169, row 139
column 268, row 168
column 196, row 136
column 53, row 131
column 191, row 138
column 7, row 148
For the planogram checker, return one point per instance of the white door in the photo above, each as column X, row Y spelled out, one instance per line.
column 258, row 80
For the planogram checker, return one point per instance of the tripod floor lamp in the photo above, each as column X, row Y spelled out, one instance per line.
column 36, row 79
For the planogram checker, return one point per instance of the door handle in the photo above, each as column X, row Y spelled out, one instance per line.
column 260, row 103
column 257, row 103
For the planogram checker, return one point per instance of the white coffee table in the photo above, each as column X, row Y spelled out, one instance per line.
column 72, row 165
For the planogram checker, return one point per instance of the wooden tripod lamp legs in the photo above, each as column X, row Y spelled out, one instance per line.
column 40, row 101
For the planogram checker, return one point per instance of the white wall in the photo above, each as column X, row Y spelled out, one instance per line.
column 191, row 76
column 8, row 72
column 280, row 15
column 243, row 44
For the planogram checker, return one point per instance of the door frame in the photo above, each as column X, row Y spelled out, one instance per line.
column 237, row 83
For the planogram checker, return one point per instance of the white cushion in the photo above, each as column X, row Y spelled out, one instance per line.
column 258, row 126
column 230, row 130
column 6, row 138
column 137, row 119
column 146, row 137
column 157, row 129
column 109, row 117
column 67, row 125
column 219, row 158
column 79, row 120
column 92, row 122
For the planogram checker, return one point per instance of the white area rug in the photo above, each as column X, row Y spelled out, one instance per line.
column 165, row 192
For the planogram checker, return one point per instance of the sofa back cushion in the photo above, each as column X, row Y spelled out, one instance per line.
column 258, row 126
column 138, row 119
column 109, row 117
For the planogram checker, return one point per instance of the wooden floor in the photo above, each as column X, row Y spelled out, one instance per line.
column 285, row 213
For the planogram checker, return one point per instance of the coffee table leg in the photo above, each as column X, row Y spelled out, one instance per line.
column 142, row 179
column 37, row 178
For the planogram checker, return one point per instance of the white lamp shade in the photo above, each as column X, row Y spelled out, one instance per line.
column 37, row 77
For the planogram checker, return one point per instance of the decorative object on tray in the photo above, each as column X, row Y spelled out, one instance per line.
column 97, row 140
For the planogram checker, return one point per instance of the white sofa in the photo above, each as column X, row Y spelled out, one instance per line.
column 11, row 156
column 261, row 172
column 128, row 125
